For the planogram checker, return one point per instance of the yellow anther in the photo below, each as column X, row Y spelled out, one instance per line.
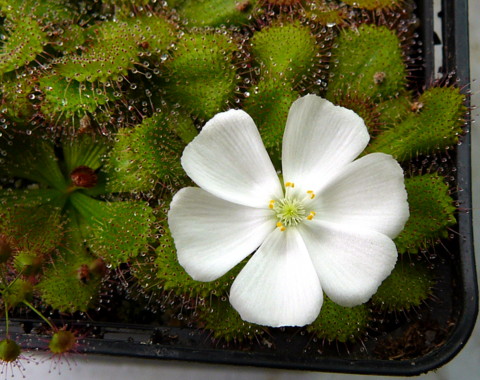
column 289, row 184
column 272, row 202
column 311, row 215
column 311, row 193
column 281, row 226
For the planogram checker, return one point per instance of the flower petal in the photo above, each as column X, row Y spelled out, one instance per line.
column 369, row 193
column 279, row 285
column 212, row 235
column 229, row 160
column 350, row 263
column 319, row 139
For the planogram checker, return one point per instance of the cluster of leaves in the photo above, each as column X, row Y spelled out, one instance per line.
column 98, row 100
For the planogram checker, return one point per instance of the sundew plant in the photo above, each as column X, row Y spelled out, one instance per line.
column 99, row 100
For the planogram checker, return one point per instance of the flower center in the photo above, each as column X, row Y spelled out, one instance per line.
column 290, row 210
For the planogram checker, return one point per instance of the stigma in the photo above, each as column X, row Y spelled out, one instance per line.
column 290, row 210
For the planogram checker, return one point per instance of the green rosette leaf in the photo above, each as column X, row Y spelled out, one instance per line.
column 393, row 111
column 16, row 292
column 200, row 77
column 226, row 324
column 149, row 153
column 32, row 219
column 65, row 287
column 153, row 31
column 214, row 12
column 112, row 53
column 286, row 50
column 408, row 286
column 432, row 212
column 66, row 99
column 15, row 91
column 374, row 4
column 24, row 41
column 368, row 64
column 268, row 103
column 114, row 231
column 339, row 323
column 437, row 123
column 84, row 150
column 33, row 158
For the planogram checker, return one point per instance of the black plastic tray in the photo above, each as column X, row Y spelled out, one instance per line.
column 460, row 305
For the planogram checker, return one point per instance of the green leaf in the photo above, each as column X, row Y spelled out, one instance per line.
column 369, row 64
column 268, row 104
column 32, row 218
column 149, row 153
column 409, row 285
column 215, row 12
column 65, row 99
column 84, row 150
column 432, row 212
column 33, row 158
column 200, row 76
column 112, row 54
column 436, row 124
column 225, row 322
column 24, row 41
column 64, row 288
column 339, row 323
column 286, row 50
column 114, row 231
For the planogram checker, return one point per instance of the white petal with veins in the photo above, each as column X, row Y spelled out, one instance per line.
column 320, row 138
column 229, row 160
column 350, row 263
column 369, row 193
column 212, row 235
column 278, row 286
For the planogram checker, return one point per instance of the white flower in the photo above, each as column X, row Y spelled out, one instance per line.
column 329, row 229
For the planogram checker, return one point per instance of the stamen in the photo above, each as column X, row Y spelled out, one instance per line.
column 289, row 184
column 281, row 226
column 311, row 215
column 271, row 204
column 311, row 193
